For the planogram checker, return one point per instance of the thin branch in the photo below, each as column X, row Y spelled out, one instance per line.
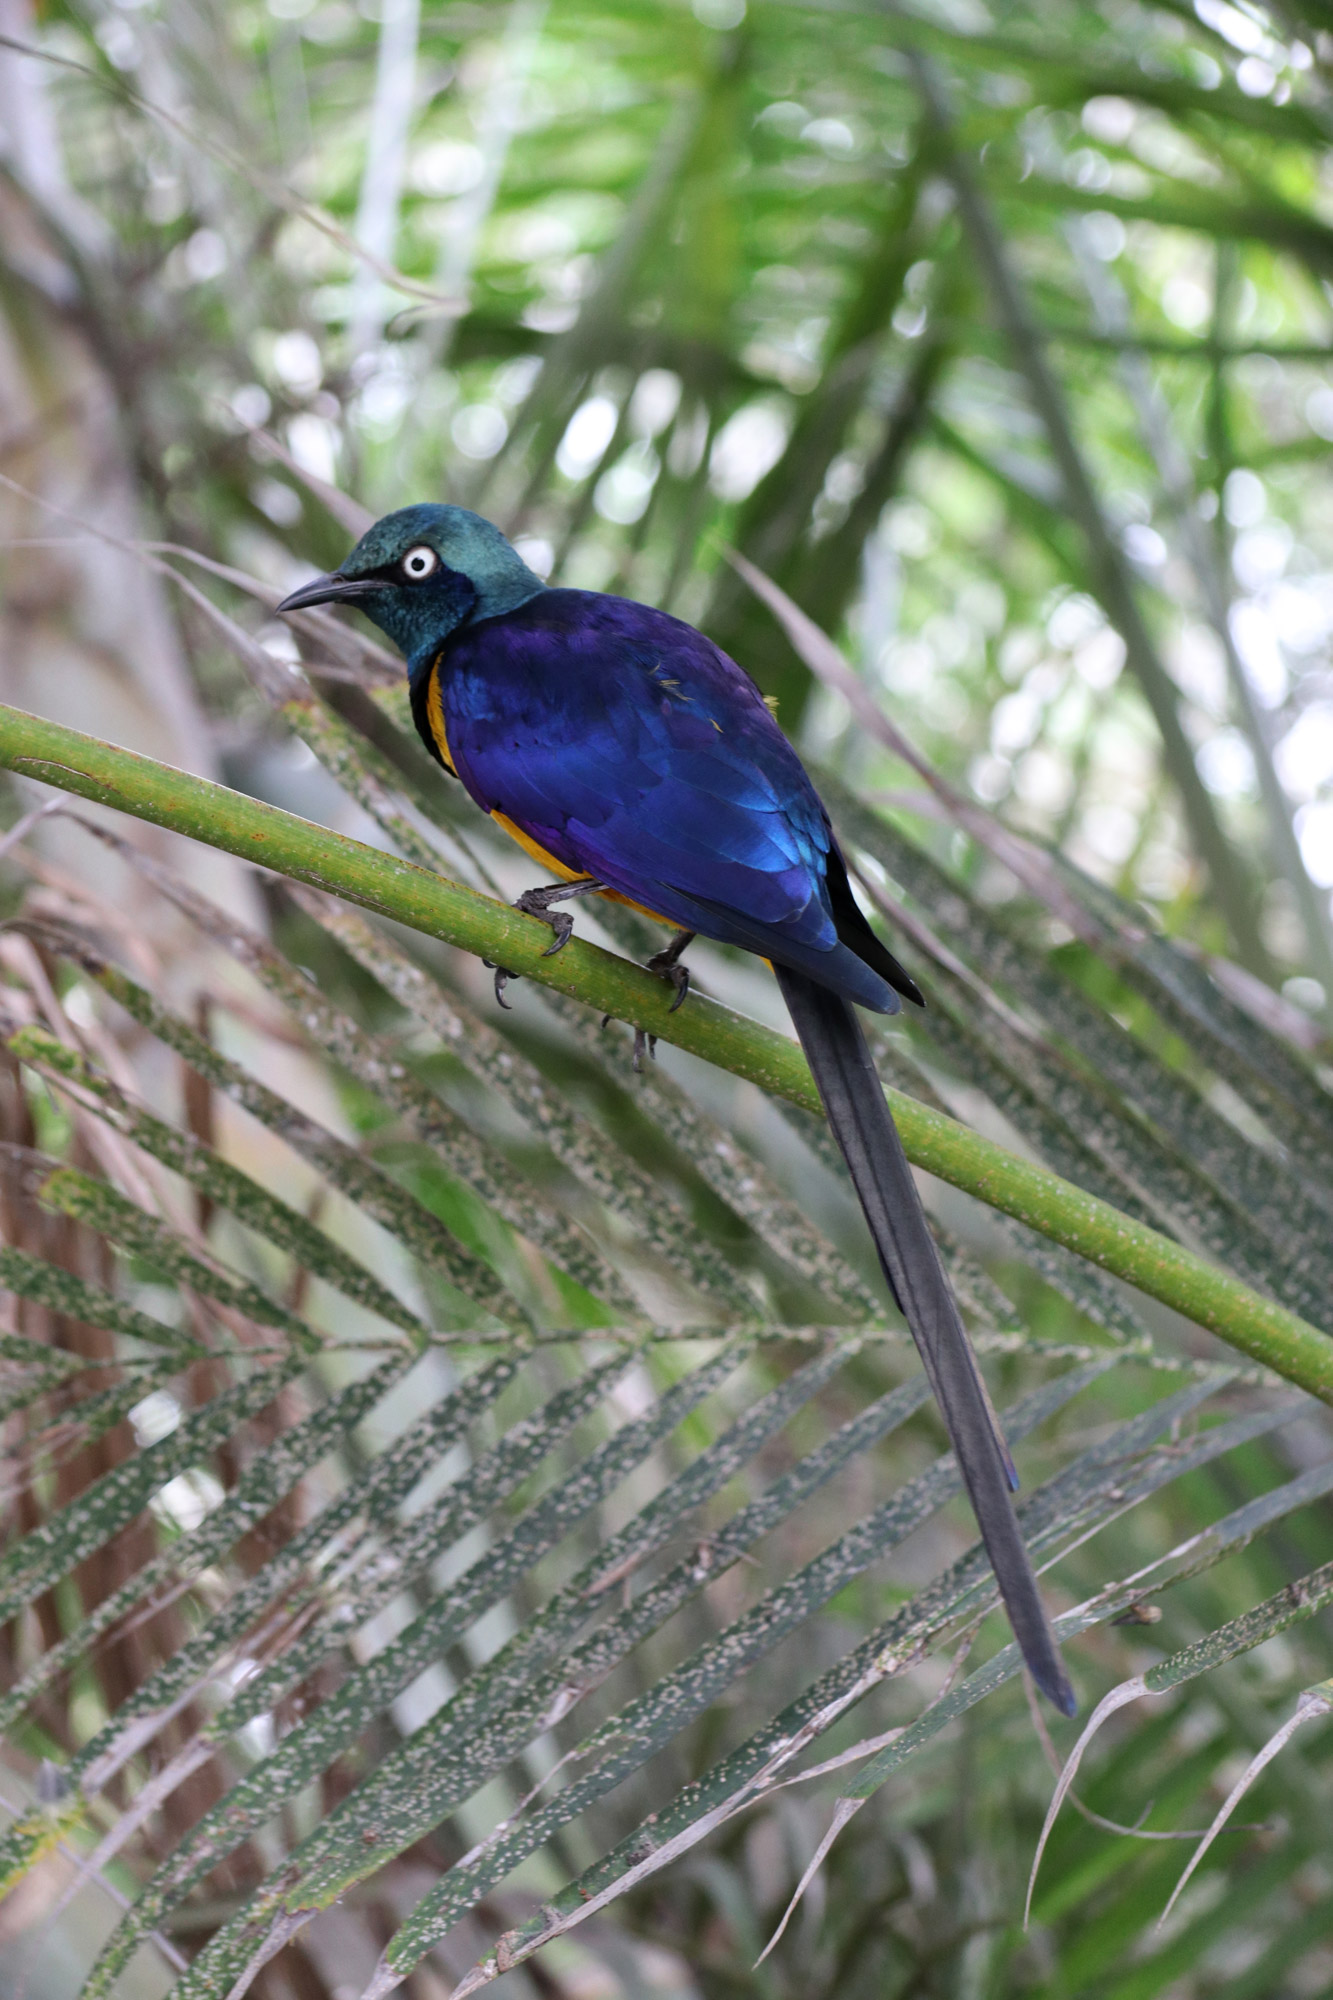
column 430, row 903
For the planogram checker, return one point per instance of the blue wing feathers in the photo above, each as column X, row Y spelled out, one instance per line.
column 631, row 748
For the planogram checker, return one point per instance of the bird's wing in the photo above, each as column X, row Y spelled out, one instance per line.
column 627, row 746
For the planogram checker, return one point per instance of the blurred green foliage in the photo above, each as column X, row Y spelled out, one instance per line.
column 1000, row 337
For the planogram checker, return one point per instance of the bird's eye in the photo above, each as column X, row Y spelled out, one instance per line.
column 419, row 563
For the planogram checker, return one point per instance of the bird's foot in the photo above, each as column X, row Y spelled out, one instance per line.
column 666, row 964
column 502, row 979
column 560, row 921
column 677, row 976
column 643, row 1043
column 537, row 903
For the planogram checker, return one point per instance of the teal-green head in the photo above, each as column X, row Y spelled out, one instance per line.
column 421, row 572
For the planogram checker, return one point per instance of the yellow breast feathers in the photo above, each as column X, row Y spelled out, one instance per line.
column 435, row 717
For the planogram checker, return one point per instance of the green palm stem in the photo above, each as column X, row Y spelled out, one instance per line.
column 430, row 903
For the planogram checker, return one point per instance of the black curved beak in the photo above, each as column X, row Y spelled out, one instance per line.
column 331, row 589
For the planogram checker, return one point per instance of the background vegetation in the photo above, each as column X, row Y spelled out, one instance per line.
column 454, row 1486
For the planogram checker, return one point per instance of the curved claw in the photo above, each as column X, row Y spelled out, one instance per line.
column 502, row 979
column 642, row 1041
column 563, row 925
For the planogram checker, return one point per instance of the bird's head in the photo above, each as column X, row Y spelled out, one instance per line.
column 420, row 572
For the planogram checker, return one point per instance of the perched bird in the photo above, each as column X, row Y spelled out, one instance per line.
column 631, row 758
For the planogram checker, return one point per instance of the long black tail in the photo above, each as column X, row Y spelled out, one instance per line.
column 863, row 1126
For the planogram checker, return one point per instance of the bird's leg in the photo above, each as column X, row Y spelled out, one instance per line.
column 537, row 903
column 667, row 964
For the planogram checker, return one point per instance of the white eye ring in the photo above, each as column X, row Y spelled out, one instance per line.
column 419, row 563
